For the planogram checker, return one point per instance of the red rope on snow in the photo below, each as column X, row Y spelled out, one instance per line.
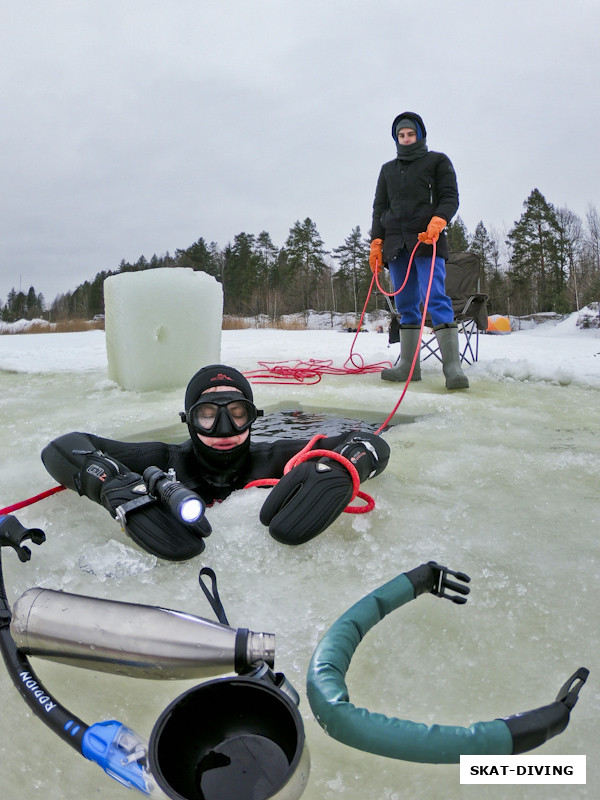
column 307, row 373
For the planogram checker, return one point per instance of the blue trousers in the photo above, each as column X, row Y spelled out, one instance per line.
column 413, row 295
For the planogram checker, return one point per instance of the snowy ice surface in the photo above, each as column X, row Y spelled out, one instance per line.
column 558, row 352
column 501, row 481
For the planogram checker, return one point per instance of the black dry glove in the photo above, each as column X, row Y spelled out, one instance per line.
column 369, row 453
column 306, row 501
column 157, row 531
column 147, row 522
column 313, row 494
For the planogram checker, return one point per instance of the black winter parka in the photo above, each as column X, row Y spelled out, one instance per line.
column 408, row 195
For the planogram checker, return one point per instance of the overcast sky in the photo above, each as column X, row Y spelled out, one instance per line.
column 138, row 126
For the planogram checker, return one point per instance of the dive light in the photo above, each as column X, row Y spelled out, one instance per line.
column 185, row 504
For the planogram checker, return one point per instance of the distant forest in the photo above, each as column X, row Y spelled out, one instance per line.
column 548, row 261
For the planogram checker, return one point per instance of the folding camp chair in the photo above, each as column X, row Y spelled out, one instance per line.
column 463, row 283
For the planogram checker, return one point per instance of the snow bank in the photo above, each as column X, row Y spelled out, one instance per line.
column 23, row 325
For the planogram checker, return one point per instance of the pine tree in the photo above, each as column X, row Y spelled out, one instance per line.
column 199, row 257
column 458, row 236
column 535, row 240
column 267, row 260
column 141, row 264
column 354, row 271
column 487, row 250
column 240, row 276
column 18, row 306
column 125, row 266
column 96, row 294
column 305, row 262
column 8, row 309
column 33, row 308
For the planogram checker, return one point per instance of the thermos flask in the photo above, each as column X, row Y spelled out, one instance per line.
column 130, row 639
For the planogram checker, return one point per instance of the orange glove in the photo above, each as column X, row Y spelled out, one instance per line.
column 432, row 234
column 376, row 255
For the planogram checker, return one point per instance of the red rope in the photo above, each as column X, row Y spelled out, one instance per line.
column 410, row 263
column 307, row 453
column 356, row 492
column 418, row 347
column 31, row 500
column 310, row 372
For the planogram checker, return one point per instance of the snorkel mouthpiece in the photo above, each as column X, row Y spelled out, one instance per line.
column 121, row 753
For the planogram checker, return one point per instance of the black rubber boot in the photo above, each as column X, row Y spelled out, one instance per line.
column 447, row 336
column 409, row 341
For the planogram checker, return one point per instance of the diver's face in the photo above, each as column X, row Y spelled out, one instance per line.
column 223, row 442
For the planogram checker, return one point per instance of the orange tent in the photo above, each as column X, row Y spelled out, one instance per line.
column 498, row 324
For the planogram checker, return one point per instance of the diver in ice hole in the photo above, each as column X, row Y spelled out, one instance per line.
column 416, row 197
column 218, row 458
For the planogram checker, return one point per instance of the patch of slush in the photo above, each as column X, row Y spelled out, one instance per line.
column 116, row 560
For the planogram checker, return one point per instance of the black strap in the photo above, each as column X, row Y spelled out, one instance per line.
column 213, row 597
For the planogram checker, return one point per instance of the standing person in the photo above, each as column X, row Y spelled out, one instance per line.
column 416, row 197
column 217, row 459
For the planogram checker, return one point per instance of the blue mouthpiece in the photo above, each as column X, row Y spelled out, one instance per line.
column 120, row 752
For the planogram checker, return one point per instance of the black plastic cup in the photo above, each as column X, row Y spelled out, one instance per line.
column 230, row 739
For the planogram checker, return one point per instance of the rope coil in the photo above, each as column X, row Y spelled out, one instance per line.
column 305, row 455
